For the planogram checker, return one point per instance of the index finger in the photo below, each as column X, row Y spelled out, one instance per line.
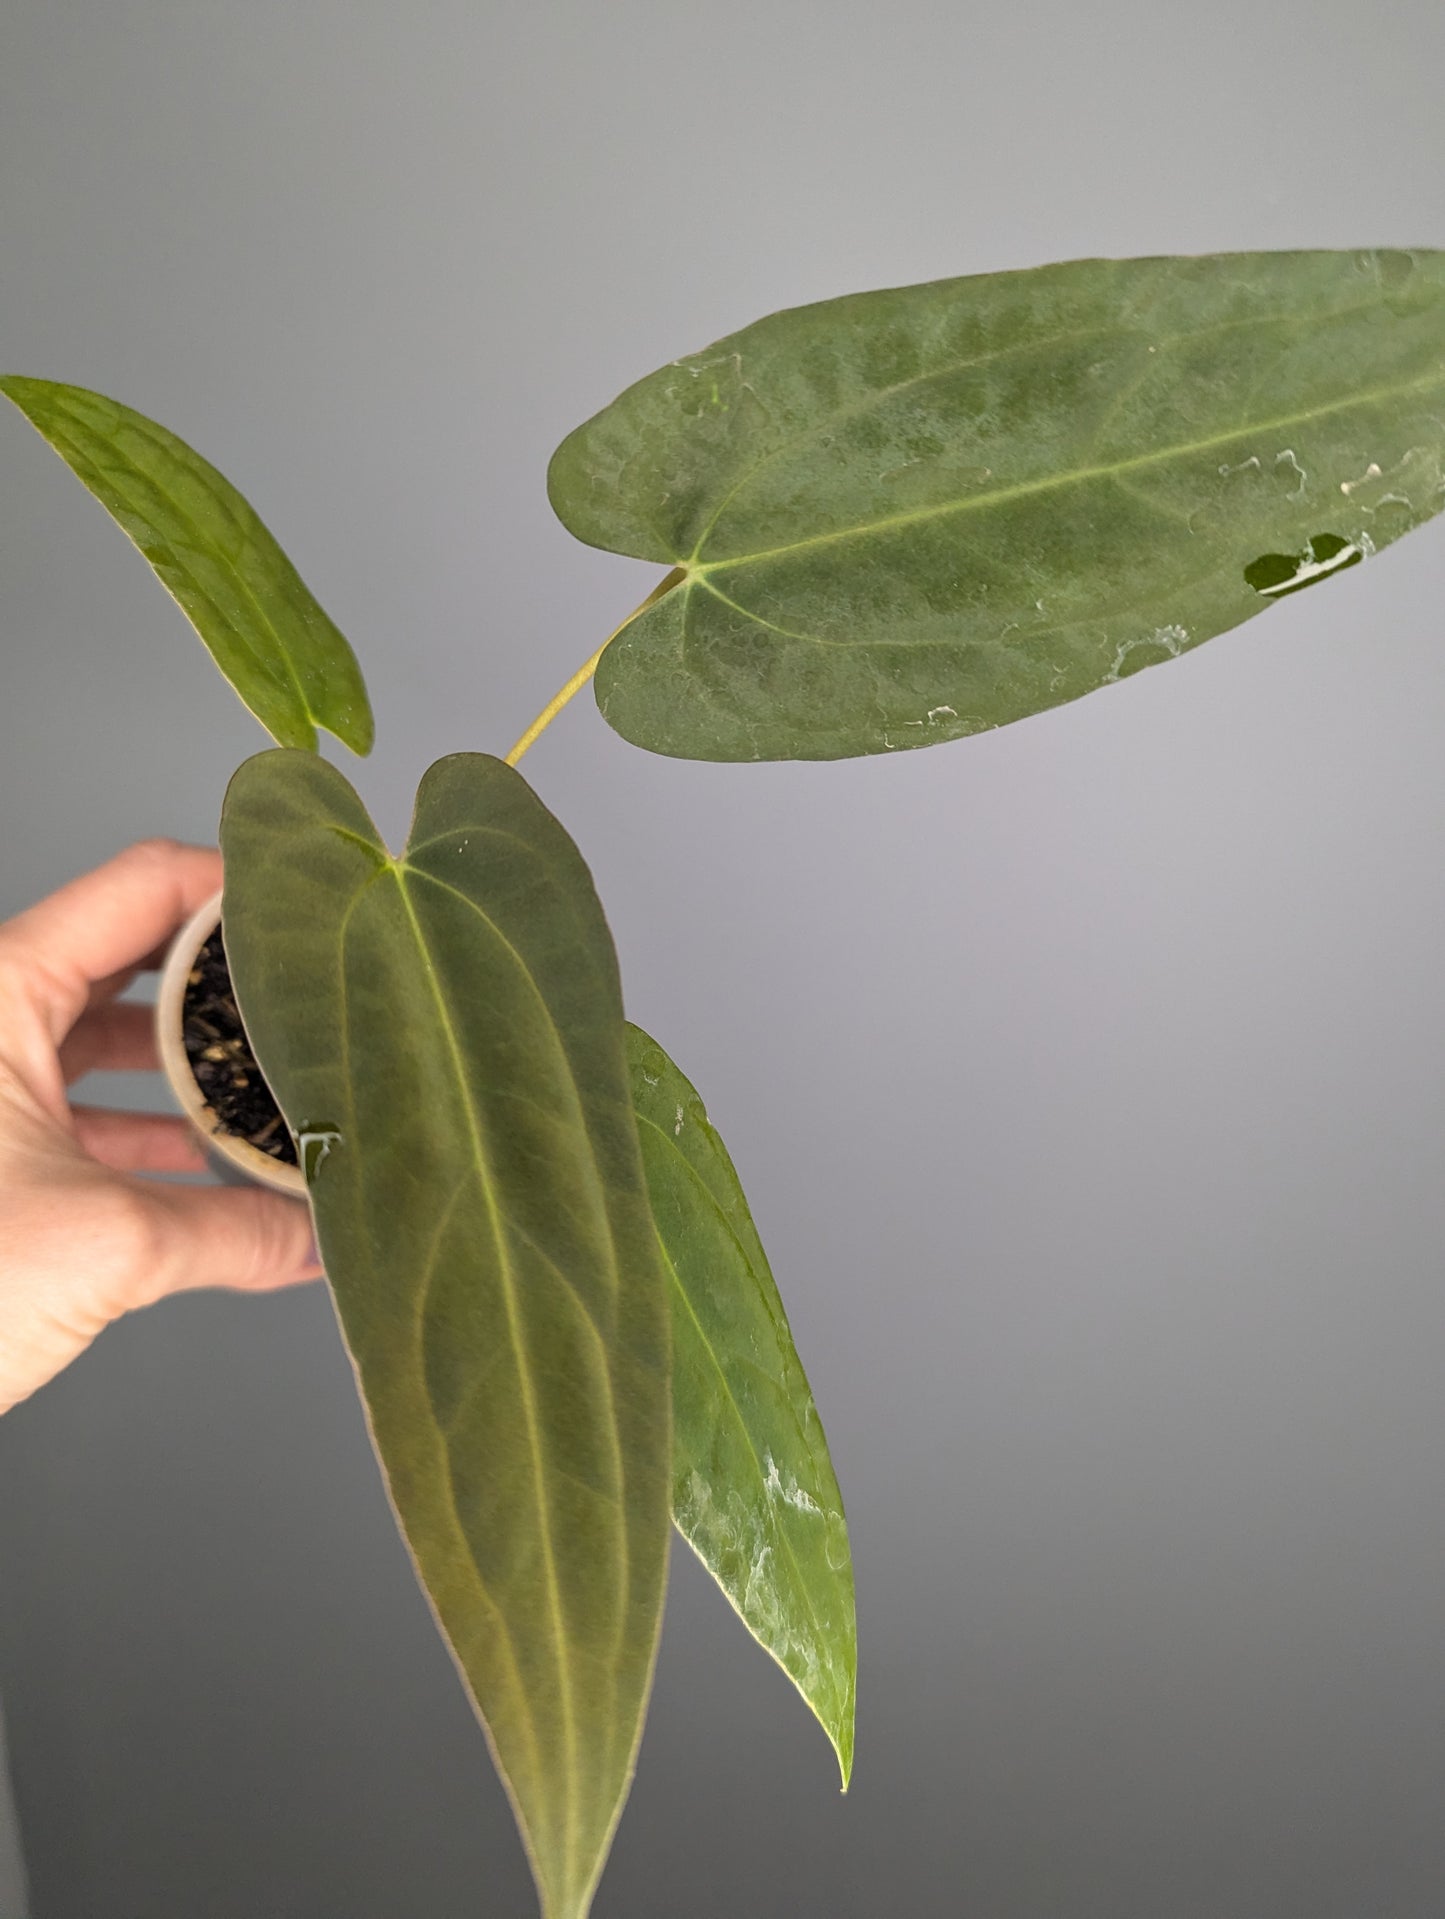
column 105, row 923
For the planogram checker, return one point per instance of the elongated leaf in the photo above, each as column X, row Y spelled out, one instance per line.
column 753, row 1489
column 444, row 1034
column 269, row 637
column 907, row 516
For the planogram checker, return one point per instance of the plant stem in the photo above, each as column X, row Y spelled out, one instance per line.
column 584, row 673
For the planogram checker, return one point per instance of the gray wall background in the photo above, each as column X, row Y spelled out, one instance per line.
column 1086, row 1078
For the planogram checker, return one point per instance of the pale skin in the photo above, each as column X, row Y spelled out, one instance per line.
column 85, row 1237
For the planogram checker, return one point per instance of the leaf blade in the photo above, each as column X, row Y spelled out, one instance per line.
column 449, row 1025
column 908, row 516
column 754, row 1492
column 271, row 640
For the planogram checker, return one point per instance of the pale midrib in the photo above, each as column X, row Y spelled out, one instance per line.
column 529, row 1403
column 497, row 1616
column 1057, row 482
column 343, row 1017
column 599, row 1188
column 779, row 1529
column 248, row 593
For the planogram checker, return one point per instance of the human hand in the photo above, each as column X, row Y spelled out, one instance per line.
column 82, row 1239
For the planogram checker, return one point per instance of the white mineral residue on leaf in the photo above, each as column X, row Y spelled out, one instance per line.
column 1173, row 639
column 1416, row 475
column 791, row 1493
column 835, row 1542
column 1284, row 468
column 1287, row 458
column 760, row 1596
column 738, row 1541
column 723, row 368
column 933, row 717
column 1371, row 472
column 314, row 1145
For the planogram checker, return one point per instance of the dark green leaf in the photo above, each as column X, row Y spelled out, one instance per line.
column 753, row 1487
column 907, row 516
column 269, row 637
column 444, row 1035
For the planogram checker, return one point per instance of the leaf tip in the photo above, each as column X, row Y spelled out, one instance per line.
column 17, row 389
column 356, row 728
column 840, row 1738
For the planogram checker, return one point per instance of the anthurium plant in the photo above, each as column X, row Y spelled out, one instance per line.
column 886, row 521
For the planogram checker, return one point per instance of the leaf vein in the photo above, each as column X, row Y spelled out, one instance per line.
column 1056, row 482
column 530, row 1410
column 128, row 466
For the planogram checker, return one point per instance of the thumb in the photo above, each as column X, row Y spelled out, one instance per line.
column 240, row 1236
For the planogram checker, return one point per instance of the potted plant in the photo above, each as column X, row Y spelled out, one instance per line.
column 887, row 521
column 208, row 1062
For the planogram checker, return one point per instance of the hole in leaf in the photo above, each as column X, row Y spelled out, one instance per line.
column 1278, row 574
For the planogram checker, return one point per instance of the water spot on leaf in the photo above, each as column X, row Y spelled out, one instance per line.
column 1276, row 575
column 835, row 1542
column 1204, row 519
column 1399, row 505
column 1395, row 269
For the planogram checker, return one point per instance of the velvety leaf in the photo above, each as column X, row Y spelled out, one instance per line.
column 753, row 1489
column 444, row 1034
column 267, row 634
column 911, row 515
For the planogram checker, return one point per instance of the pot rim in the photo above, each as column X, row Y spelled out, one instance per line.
column 170, row 999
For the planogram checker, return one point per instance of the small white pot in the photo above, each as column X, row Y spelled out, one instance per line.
column 170, row 999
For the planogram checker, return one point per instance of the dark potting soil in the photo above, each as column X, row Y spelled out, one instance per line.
column 222, row 1060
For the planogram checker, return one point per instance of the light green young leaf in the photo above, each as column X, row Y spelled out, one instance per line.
column 753, row 1489
column 267, row 634
column 444, row 1034
column 907, row 516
